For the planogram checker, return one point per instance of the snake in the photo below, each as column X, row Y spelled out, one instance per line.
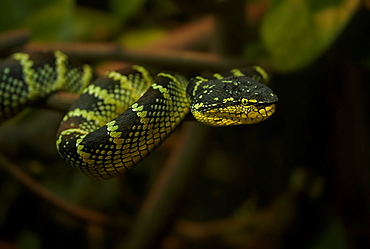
column 124, row 115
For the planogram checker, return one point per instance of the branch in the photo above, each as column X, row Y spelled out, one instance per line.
column 194, row 35
column 161, row 57
column 69, row 207
column 10, row 40
column 61, row 101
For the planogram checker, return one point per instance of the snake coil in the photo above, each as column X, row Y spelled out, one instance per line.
column 124, row 115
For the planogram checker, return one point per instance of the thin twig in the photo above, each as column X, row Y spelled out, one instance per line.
column 190, row 36
column 69, row 207
column 271, row 220
column 10, row 40
column 61, row 101
column 169, row 52
column 161, row 57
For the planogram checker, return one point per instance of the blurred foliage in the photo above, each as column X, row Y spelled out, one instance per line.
column 332, row 236
column 296, row 32
column 64, row 20
column 301, row 35
column 286, row 183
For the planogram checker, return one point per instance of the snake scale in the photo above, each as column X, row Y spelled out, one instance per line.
column 121, row 117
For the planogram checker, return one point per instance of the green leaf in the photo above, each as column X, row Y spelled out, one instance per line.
column 333, row 235
column 28, row 240
column 15, row 12
column 58, row 20
column 141, row 37
column 123, row 10
column 93, row 25
column 52, row 22
column 296, row 32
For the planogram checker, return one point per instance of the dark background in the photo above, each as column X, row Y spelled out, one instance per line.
column 298, row 180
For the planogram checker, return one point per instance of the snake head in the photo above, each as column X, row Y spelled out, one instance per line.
column 232, row 100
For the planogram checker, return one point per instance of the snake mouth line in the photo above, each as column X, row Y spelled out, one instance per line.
column 207, row 108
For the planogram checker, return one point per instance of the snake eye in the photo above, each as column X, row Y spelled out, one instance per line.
column 245, row 101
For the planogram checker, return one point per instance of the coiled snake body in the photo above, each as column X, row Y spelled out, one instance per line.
column 124, row 115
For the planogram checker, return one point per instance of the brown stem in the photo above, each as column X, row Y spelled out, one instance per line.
column 167, row 58
column 69, row 207
column 10, row 40
column 194, row 35
column 61, row 101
